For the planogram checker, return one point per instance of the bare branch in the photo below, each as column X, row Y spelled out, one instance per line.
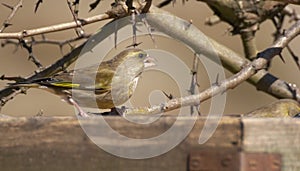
column 297, row 2
column 278, row 22
column 232, row 61
column 17, row 79
column 249, row 44
column 244, row 16
column 250, row 70
column 133, row 21
column 79, row 30
column 31, row 55
column 44, row 40
column 8, row 6
column 118, row 10
column 146, row 23
column 11, row 95
column 194, row 83
column 54, row 28
column 14, row 9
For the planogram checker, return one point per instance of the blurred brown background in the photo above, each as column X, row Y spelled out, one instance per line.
column 14, row 63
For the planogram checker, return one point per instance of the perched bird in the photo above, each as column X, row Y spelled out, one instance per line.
column 280, row 108
column 111, row 83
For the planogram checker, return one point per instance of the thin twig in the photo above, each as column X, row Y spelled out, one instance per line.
column 133, row 20
column 278, row 22
column 116, row 34
column 79, row 30
column 31, row 55
column 194, row 83
column 44, row 40
column 14, row 92
column 134, row 29
column 294, row 56
column 14, row 9
column 17, row 79
column 54, row 28
column 143, row 18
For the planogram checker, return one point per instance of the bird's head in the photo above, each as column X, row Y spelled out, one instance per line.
column 136, row 57
column 130, row 65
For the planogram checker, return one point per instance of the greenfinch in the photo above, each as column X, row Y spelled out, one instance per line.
column 280, row 108
column 109, row 84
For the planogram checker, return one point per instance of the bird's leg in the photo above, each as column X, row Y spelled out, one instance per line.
column 81, row 112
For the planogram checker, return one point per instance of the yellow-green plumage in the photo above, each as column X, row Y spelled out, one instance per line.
column 118, row 75
column 280, row 108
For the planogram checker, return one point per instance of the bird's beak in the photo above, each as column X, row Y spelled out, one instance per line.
column 149, row 61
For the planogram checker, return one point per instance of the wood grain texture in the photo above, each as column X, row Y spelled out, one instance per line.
column 274, row 135
column 58, row 143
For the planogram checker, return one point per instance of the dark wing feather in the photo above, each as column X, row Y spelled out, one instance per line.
column 93, row 77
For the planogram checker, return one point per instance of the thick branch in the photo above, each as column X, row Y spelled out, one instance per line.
column 230, row 59
column 297, row 2
column 276, row 88
column 249, row 44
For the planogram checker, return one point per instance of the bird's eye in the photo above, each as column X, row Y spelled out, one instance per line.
column 141, row 55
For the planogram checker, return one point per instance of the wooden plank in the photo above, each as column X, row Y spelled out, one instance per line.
column 274, row 135
column 58, row 143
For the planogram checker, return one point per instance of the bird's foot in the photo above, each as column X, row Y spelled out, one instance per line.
column 80, row 110
column 83, row 114
column 117, row 111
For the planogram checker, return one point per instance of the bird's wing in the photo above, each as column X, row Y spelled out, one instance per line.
column 90, row 78
column 95, row 78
